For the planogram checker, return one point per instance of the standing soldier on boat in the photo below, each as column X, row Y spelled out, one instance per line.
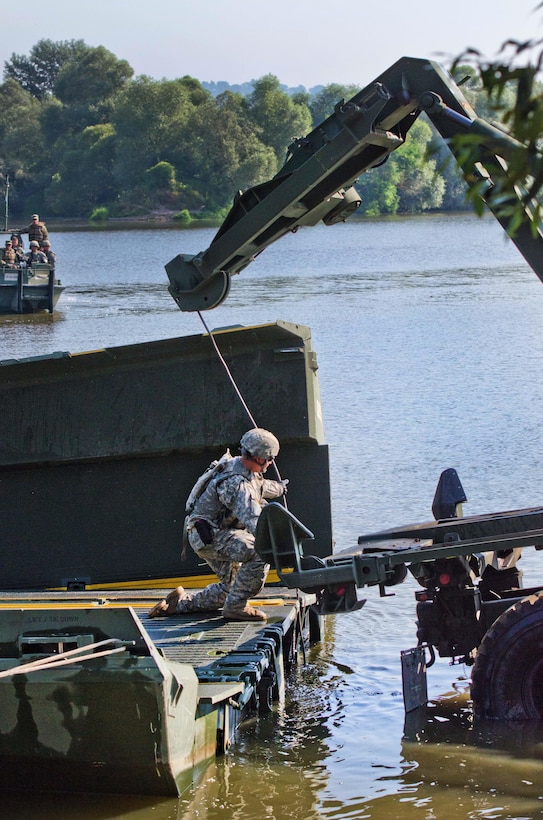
column 37, row 231
column 223, row 510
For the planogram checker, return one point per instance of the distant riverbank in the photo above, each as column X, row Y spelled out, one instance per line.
column 148, row 222
column 165, row 221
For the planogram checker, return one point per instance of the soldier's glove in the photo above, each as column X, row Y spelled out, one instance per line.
column 284, row 483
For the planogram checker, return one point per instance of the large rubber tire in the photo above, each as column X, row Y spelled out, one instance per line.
column 507, row 677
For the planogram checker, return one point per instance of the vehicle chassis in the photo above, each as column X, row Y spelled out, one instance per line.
column 465, row 609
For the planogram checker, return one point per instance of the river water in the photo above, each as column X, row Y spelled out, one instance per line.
column 429, row 337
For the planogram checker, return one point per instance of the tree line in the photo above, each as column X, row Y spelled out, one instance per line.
column 81, row 136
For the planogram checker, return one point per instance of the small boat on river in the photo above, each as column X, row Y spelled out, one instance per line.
column 29, row 289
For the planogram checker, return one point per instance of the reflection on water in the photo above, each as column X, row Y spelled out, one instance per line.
column 429, row 337
column 280, row 762
column 462, row 769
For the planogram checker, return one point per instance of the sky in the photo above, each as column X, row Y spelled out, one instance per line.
column 302, row 42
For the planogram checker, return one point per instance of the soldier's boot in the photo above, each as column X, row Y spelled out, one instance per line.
column 168, row 605
column 244, row 613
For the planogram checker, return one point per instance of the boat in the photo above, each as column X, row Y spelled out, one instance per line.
column 96, row 697
column 29, row 289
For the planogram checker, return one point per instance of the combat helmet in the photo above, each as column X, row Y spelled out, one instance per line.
column 260, row 443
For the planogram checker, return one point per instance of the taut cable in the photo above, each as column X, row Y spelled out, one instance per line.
column 236, row 388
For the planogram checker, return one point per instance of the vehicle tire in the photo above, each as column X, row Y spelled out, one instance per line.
column 507, row 677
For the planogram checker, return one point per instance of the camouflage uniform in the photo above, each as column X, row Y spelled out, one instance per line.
column 9, row 257
column 36, row 258
column 37, row 231
column 51, row 255
column 19, row 251
column 221, row 530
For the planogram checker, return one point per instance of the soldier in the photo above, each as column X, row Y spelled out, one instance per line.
column 35, row 256
column 50, row 254
column 221, row 530
column 18, row 248
column 36, row 230
column 9, row 257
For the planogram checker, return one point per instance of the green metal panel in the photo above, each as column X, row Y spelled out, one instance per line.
column 171, row 395
column 98, row 452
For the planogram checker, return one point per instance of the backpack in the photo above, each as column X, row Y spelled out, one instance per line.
column 199, row 488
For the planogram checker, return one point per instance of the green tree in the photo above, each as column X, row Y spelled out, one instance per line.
column 514, row 92
column 94, row 77
column 378, row 189
column 84, row 93
column 37, row 73
column 161, row 189
column 419, row 187
column 83, row 178
column 487, row 105
column 52, row 121
column 153, row 121
column 20, row 137
column 279, row 117
column 225, row 150
column 162, row 176
column 407, row 182
column 21, row 144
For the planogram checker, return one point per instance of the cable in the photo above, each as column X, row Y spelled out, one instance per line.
column 224, row 364
column 236, row 388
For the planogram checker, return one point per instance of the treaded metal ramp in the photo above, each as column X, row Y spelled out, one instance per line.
column 205, row 640
column 198, row 639
column 211, row 644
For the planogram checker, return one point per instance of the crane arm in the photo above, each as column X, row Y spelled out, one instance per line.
column 317, row 179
